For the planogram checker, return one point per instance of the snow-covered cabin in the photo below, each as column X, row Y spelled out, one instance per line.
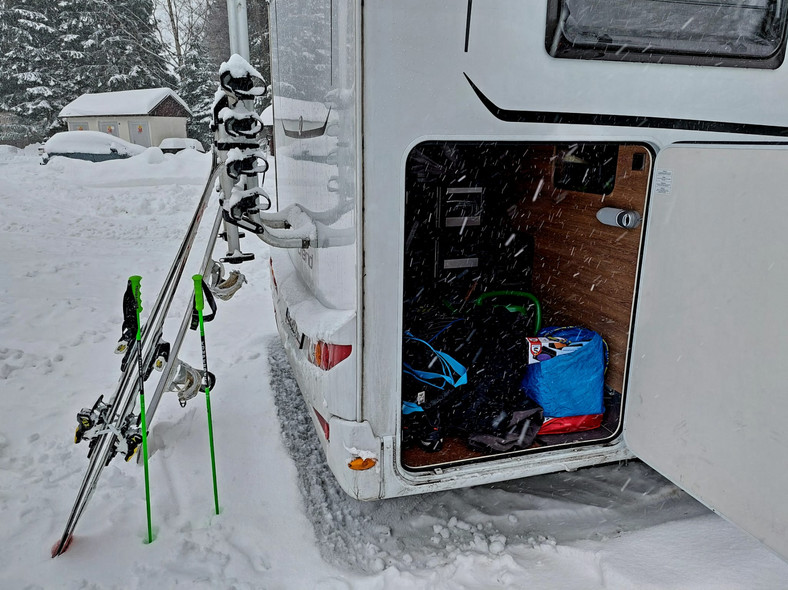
column 143, row 117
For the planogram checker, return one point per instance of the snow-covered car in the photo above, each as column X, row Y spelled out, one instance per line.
column 171, row 145
column 93, row 146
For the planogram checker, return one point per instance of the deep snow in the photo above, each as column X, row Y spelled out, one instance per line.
column 71, row 234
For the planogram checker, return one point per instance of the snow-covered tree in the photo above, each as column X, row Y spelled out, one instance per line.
column 28, row 42
column 81, row 28
column 51, row 51
column 198, row 83
column 133, row 54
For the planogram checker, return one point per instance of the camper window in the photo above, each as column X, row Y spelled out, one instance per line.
column 695, row 32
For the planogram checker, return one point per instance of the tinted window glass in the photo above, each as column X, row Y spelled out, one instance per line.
column 745, row 33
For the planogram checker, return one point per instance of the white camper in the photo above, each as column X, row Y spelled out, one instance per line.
column 623, row 163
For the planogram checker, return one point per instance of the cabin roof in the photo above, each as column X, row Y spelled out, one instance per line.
column 127, row 102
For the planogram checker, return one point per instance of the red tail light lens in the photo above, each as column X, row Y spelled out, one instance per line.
column 323, row 423
column 327, row 356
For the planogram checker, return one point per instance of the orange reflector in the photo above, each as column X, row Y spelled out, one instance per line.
column 359, row 464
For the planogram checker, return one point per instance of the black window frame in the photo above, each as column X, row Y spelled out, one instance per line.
column 562, row 48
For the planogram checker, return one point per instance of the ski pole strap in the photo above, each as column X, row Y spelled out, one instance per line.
column 452, row 373
column 204, row 290
column 134, row 285
column 129, row 310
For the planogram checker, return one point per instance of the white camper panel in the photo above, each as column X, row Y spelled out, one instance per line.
column 420, row 83
column 407, row 73
column 707, row 403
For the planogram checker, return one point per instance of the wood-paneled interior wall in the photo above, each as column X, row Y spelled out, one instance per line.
column 584, row 271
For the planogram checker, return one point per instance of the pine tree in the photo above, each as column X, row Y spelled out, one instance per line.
column 80, row 30
column 198, row 83
column 29, row 57
column 132, row 52
column 8, row 84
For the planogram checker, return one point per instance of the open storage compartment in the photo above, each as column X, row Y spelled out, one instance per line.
column 500, row 238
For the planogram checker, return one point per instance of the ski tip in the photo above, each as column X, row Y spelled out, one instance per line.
column 61, row 547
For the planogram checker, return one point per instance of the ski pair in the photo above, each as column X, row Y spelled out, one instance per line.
column 121, row 404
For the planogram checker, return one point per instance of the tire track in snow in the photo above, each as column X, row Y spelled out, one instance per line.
column 427, row 531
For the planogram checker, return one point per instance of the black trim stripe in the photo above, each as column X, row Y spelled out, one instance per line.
column 516, row 116
column 468, row 25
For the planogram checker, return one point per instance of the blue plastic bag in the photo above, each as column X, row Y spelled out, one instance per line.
column 566, row 374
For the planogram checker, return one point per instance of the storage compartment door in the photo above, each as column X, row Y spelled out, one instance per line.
column 707, row 402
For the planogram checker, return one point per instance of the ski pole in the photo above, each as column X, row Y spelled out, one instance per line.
column 198, row 305
column 134, row 281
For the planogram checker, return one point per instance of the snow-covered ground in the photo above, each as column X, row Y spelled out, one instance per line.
column 71, row 233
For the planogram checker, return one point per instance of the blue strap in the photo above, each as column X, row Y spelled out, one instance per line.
column 411, row 408
column 442, row 330
column 449, row 368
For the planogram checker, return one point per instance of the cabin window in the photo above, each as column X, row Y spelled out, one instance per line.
column 78, row 125
column 732, row 33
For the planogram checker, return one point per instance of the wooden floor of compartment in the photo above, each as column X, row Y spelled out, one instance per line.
column 455, row 451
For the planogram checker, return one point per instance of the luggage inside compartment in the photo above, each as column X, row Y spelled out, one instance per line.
column 496, row 234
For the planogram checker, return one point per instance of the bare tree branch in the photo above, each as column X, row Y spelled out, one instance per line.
column 176, row 34
column 182, row 28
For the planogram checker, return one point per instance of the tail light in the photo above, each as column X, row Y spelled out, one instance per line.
column 327, row 356
column 323, row 423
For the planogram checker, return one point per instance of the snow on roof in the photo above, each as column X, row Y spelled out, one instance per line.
column 125, row 102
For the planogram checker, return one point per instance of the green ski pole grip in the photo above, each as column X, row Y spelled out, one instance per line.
column 198, row 300
column 135, row 288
